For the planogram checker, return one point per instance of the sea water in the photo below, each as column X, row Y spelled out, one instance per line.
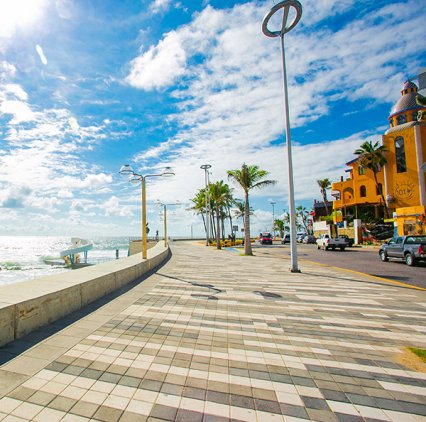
column 22, row 257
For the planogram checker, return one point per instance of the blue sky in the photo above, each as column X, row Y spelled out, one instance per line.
column 86, row 86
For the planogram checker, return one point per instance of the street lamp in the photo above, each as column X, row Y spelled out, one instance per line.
column 206, row 168
column 273, row 216
column 297, row 8
column 135, row 179
column 165, row 218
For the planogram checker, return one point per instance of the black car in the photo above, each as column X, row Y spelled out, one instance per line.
column 286, row 239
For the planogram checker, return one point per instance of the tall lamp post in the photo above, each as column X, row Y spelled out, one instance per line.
column 135, row 178
column 206, row 168
column 286, row 27
column 273, row 216
column 165, row 219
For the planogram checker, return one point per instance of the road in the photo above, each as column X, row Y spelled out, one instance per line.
column 365, row 260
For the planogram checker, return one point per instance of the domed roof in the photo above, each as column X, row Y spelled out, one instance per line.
column 409, row 84
column 407, row 100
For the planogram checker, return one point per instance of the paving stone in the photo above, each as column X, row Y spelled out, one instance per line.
column 107, row 414
column 162, row 412
column 85, row 409
column 62, row 403
column 196, row 334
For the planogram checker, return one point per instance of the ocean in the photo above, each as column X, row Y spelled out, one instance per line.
column 22, row 257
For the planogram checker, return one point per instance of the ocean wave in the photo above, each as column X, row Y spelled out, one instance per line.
column 7, row 265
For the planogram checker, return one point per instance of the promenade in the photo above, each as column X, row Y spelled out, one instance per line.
column 214, row 336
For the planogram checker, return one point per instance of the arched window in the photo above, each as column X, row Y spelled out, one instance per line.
column 379, row 189
column 401, row 163
column 361, row 170
column 362, row 191
column 401, row 119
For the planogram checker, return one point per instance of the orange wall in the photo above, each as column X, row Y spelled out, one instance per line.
column 404, row 187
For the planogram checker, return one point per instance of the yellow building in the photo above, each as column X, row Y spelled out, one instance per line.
column 403, row 178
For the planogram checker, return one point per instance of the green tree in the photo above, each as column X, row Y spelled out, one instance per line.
column 373, row 157
column 302, row 213
column 239, row 209
column 219, row 194
column 280, row 226
column 199, row 205
column 324, row 184
column 249, row 177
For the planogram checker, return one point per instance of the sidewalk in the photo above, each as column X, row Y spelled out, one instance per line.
column 215, row 336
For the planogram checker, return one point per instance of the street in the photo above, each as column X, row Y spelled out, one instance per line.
column 365, row 260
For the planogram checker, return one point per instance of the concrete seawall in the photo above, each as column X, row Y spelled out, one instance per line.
column 29, row 305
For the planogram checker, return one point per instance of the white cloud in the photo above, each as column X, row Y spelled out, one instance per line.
column 16, row 92
column 159, row 5
column 41, row 54
column 160, row 65
column 114, row 207
column 96, row 180
column 20, row 111
column 230, row 103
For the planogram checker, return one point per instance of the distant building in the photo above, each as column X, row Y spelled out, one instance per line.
column 319, row 209
column 403, row 178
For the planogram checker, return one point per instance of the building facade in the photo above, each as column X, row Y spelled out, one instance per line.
column 403, row 178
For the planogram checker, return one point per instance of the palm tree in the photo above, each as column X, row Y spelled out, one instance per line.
column 219, row 194
column 249, row 177
column 280, row 226
column 373, row 157
column 199, row 205
column 239, row 209
column 303, row 214
column 324, row 184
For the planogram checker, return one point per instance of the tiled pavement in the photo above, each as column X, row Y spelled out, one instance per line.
column 215, row 336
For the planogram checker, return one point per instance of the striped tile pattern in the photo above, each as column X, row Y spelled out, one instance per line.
column 224, row 337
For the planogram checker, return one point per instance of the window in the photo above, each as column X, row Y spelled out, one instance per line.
column 379, row 189
column 363, row 191
column 401, row 119
column 414, row 116
column 401, row 164
column 399, row 240
column 361, row 170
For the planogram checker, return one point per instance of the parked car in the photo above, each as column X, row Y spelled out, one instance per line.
column 349, row 240
column 309, row 239
column 265, row 238
column 326, row 242
column 409, row 248
column 286, row 239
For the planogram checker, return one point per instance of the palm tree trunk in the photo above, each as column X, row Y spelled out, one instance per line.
column 204, row 223
column 385, row 207
column 324, row 198
column 230, row 220
column 213, row 224
column 218, row 228
column 247, row 244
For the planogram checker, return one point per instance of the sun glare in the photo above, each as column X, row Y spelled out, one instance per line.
column 16, row 14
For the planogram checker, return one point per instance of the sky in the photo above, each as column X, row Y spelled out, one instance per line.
column 89, row 85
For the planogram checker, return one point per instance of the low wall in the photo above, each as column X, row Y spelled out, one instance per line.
column 29, row 305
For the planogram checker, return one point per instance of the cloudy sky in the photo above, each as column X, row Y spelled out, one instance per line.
column 89, row 85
